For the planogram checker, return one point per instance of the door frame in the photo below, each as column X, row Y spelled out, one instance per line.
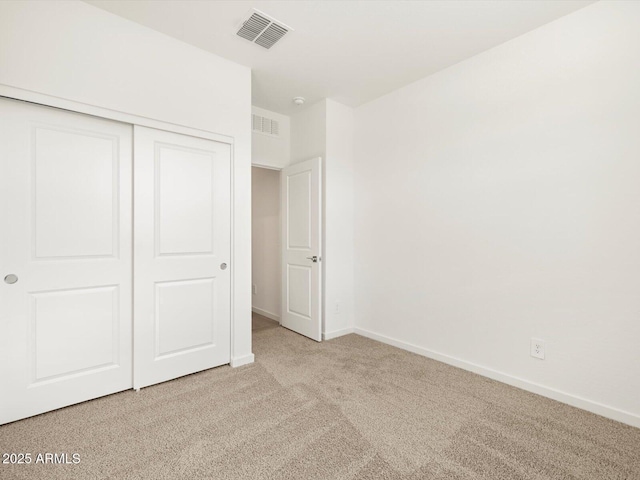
column 16, row 93
column 322, row 239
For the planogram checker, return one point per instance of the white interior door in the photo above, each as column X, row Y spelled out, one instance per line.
column 65, row 258
column 182, row 245
column 301, row 248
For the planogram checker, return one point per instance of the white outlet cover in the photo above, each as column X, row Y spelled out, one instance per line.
column 537, row 348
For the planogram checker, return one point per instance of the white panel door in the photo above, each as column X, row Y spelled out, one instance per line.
column 301, row 234
column 182, row 245
column 65, row 258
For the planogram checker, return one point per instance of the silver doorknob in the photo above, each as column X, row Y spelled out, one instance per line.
column 11, row 279
column 314, row 259
column 223, row 266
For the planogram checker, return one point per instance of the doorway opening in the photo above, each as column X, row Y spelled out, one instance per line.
column 266, row 248
column 287, row 246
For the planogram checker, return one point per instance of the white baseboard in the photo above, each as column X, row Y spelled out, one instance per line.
column 337, row 333
column 240, row 361
column 573, row 400
column 264, row 313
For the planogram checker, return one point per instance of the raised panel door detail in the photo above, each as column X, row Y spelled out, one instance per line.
column 299, row 290
column 301, row 201
column 73, row 331
column 184, row 200
column 66, row 232
column 74, row 194
column 185, row 316
column 182, row 223
column 299, row 220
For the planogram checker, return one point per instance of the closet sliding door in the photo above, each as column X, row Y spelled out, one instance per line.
column 84, row 220
column 182, row 237
column 65, row 258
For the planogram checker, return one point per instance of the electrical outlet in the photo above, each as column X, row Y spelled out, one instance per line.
column 537, row 348
column 255, row 289
column 337, row 307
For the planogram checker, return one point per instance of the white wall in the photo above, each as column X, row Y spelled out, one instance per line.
column 265, row 250
column 267, row 150
column 325, row 129
column 498, row 200
column 74, row 51
column 338, row 260
column 308, row 132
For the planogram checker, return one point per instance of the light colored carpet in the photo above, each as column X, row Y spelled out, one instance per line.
column 349, row 408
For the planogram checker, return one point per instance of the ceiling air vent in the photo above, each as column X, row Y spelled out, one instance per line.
column 261, row 29
column 265, row 125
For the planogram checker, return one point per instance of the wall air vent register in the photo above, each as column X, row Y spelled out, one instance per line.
column 261, row 29
column 265, row 125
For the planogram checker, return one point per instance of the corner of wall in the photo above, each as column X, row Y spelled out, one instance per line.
column 339, row 220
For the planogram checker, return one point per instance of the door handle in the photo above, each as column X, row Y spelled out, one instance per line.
column 11, row 279
column 314, row 259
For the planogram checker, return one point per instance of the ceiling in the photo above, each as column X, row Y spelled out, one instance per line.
column 350, row 51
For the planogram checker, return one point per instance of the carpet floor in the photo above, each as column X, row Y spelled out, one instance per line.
column 348, row 408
